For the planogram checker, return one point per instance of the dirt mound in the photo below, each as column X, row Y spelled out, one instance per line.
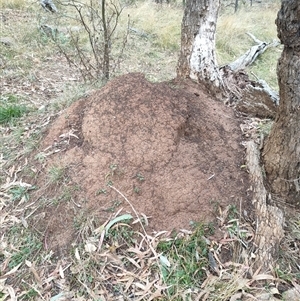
column 170, row 149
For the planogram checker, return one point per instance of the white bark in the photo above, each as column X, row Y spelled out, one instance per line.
column 197, row 56
column 203, row 63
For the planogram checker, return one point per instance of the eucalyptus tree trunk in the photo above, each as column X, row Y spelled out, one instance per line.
column 282, row 150
column 197, row 57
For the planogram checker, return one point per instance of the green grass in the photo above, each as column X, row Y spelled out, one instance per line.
column 9, row 98
column 121, row 235
column 188, row 258
column 19, row 193
column 10, row 109
column 163, row 31
column 157, row 53
column 10, row 113
column 56, row 174
column 31, row 294
column 26, row 248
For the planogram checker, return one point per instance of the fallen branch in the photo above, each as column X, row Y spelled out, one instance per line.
column 138, row 32
column 251, row 55
column 254, row 98
column 273, row 94
column 259, row 100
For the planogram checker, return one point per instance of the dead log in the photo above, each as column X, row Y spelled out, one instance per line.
column 251, row 55
column 254, row 98
column 138, row 32
column 49, row 6
column 269, row 219
column 259, row 100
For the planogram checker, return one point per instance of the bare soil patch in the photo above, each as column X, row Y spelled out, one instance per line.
column 173, row 151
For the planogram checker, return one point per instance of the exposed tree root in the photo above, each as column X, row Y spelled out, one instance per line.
column 269, row 219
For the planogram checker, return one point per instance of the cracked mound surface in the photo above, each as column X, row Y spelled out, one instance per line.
column 168, row 147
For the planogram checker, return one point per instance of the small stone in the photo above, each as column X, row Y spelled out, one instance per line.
column 291, row 295
column 7, row 41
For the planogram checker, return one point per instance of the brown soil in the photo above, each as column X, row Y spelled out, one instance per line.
column 174, row 152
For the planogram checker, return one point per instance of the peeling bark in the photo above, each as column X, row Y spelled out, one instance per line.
column 282, row 150
column 197, row 57
column 255, row 98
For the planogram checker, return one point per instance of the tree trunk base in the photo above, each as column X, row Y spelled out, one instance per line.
column 269, row 219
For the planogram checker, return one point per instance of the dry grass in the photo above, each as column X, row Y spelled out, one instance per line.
column 153, row 43
column 233, row 41
column 151, row 19
column 13, row 4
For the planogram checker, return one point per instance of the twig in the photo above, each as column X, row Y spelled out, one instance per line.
column 135, row 212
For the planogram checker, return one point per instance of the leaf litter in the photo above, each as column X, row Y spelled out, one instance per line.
column 102, row 269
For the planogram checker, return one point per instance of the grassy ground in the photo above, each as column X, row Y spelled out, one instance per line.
column 233, row 41
column 117, row 259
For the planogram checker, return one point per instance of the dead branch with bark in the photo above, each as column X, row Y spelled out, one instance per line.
column 254, row 98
